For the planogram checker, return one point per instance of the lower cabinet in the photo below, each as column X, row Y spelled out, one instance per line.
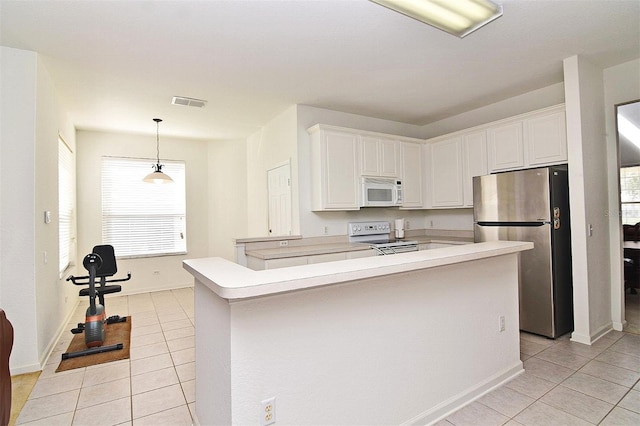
column 285, row 262
column 330, row 257
column 361, row 253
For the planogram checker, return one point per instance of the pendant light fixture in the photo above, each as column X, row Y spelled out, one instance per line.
column 157, row 176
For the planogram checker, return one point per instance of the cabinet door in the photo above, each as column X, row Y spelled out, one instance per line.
column 379, row 157
column 388, row 164
column 446, row 173
column 506, row 146
column 361, row 253
column 546, row 138
column 369, row 156
column 411, row 175
column 330, row 257
column 285, row 262
column 340, row 183
column 474, row 152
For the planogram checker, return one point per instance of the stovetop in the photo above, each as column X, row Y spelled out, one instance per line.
column 375, row 233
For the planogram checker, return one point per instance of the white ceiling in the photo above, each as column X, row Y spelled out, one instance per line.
column 117, row 64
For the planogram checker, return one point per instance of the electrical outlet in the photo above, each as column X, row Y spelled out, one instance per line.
column 284, row 243
column 407, row 225
column 326, row 230
column 431, row 224
column 268, row 411
column 501, row 326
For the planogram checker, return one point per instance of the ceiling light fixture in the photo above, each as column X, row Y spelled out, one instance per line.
column 157, row 176
column 457, row 17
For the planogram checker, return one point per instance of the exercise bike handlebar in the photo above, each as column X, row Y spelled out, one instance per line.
column 84, row 280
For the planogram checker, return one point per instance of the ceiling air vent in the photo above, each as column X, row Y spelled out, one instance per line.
column 181, row 100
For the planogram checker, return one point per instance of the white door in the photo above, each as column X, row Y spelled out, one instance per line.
column 279, row 200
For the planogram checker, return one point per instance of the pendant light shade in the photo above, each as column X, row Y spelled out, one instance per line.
column 157, row 176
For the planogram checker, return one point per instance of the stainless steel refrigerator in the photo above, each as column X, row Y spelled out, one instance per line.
column 532, row 205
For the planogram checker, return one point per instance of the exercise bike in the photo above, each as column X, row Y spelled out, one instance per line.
column 100, row 263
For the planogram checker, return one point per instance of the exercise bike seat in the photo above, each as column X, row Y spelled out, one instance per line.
column 107, row 269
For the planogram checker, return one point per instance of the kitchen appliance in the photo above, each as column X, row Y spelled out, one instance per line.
column 381, row 192
column 400, row 228
column 532, row 205
column 376, row 234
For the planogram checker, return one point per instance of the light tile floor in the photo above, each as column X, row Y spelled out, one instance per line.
column 156, row 386
column 565, row 383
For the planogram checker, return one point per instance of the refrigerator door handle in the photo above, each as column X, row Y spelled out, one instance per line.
column 525, row 224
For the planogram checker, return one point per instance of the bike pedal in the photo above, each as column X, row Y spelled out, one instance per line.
column 76, row 331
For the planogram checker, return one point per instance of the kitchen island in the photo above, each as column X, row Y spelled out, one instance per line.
column 401, row 339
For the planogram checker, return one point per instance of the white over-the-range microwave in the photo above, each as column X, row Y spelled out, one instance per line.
column 381, row 192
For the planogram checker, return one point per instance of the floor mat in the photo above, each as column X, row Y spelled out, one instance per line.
column 119, row 332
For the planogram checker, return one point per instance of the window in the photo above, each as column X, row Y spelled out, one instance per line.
column 138, row 218
column 65, row 204
column 630, row 194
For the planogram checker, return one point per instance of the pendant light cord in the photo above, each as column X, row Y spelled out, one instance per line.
column 158, row 120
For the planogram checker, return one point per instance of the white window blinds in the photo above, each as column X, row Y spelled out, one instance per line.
column 65, row 203
column 139, row 218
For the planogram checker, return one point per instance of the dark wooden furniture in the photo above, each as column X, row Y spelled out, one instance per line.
column 6, row 344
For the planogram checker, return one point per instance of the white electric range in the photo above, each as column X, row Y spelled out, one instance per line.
column 377, row 235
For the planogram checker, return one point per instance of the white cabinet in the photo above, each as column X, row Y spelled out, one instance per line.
column 380, row 157
column 474, row 162
column 260, row 264
column 546, row 137
column 334, row 169
column 358, row 254
column 532, row 140
column 329, row 257
column 506, row 146
column 411, row 155
column 446, row 173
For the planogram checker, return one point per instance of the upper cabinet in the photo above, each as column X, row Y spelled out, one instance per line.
column 437, row 173
column 474, row 162
column 530, row 140
column 506, row 146
column 412, row 176
column 545, row 135
column 380, row 157
column 340, row 156
column 334, row 169
column 446, row 173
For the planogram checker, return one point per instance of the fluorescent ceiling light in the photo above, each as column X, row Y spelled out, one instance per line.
column 457, row 17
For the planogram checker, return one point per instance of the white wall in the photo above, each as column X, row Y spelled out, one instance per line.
column 621, row 85
column 268, row 148
column 401, row 349
column 37, row 302
column 228, row 206
column 91, row 147
column 584, row 94
column 530, row 101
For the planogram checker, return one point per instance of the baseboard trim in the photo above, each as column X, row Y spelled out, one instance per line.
column 449, row 406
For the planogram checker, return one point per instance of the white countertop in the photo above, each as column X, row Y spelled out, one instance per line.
column 232, row 281
column 337, row 247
